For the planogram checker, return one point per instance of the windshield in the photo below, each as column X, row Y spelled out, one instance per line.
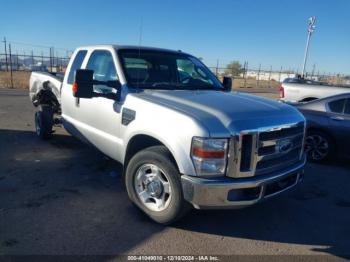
column 150, row 69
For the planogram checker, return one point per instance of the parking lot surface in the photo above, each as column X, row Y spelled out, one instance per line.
column 64, row 197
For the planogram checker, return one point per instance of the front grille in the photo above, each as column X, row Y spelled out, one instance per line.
column 297, row 141
column 285, row 132
column 259, row 152
column 291, row 157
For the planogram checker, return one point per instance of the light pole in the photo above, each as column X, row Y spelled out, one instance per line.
column 310, row 30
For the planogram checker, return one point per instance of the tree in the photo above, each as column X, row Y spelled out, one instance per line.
column 234, row 69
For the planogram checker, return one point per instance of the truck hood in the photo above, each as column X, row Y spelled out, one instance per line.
column 225, row 113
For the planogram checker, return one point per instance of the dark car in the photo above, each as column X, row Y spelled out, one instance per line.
column 328, row 127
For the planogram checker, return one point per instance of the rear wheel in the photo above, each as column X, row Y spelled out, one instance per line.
column 44, row 122
column 319, row 146
column 154, row 185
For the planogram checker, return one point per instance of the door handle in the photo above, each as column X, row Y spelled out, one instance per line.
column 337, row 118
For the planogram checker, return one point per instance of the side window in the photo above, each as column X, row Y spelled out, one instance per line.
column 136, row 69
column 78, row 60
column 347, row 107
column 101, row 62
column 337, row 106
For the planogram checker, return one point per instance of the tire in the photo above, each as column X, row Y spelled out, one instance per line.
column 319, row 146
column 44, row 122
column 153, row 183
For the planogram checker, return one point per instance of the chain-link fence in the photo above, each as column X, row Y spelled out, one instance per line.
column 15, row 68
column 17, row 60
column 269, row 78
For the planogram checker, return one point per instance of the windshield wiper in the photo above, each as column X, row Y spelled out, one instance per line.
column 165, row 84
column 178, row 86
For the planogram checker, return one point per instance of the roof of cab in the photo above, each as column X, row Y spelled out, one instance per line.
column 123, row 47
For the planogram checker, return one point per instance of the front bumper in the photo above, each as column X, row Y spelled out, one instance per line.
column 228, row 192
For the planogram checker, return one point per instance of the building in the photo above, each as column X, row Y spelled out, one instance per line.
column 267, row 75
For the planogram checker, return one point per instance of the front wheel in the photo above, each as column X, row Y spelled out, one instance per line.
column 319, row 146
column 154, row 185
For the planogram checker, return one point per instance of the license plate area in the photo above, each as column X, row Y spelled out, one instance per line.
column 280, row 185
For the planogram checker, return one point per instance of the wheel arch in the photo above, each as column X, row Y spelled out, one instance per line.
column 140, row 142
column 47, row 96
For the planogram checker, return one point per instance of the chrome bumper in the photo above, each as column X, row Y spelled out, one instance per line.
column 228, row 192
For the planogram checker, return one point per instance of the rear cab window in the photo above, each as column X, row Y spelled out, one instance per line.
column 337, row 106
column 78, row 61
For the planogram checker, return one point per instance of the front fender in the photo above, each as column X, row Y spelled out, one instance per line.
column 172, row 128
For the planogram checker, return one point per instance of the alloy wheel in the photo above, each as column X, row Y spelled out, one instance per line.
column 152, row 187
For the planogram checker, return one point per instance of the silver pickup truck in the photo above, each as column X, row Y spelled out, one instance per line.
column 184, row 138
column 304, row 90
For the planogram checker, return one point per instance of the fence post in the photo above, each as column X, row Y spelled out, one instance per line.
column 51, row 59
column 217, row 68
column 245, row 75
column 279, row 76
column 11, row 66
column 232, row 72
column 257, row 82
column 17, row 67
column 32, row 58
column 7, row 66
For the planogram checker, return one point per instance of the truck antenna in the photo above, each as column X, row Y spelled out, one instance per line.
column 140, row 42
column 140, row 34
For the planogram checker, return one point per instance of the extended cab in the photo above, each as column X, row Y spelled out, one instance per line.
column 185, row 139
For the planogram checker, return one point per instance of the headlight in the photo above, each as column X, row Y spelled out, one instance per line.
column 209, row 156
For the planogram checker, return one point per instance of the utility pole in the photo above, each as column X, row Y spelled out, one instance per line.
column 310, row 30
column 7, row 67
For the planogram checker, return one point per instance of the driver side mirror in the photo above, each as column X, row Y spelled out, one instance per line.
column 83, row 86
column 227, row 83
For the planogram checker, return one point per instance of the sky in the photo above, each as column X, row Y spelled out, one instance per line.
column 267, row 32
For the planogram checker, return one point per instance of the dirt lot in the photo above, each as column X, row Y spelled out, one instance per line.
column 19, row 79
column 63, row 197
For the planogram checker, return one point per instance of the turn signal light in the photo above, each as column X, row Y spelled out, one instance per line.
column 209, row 155
column 199, row 152
column 75, row 87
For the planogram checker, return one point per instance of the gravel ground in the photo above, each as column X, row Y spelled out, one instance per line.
column 64, row 197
